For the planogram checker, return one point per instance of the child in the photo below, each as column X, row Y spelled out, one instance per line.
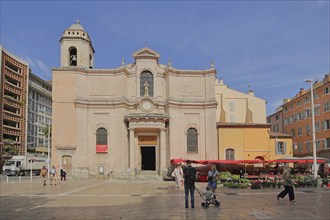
column 208, row 195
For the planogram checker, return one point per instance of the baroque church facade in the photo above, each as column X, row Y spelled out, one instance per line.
column 130, row 120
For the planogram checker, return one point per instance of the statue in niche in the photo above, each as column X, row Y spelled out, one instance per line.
column 146, row 88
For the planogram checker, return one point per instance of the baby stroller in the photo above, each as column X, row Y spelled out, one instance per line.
column 208, row 202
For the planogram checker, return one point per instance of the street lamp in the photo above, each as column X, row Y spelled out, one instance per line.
column 313, row 126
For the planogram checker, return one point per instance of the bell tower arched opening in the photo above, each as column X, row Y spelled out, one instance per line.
column 73, row 56
column 90, row 61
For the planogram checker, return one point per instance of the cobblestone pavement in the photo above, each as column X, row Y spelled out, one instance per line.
column 114, row 199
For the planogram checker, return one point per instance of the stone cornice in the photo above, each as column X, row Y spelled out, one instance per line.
column 94, row 71
column 199, row 103
column 242, row 125
column 279, row 135
column 171, row 71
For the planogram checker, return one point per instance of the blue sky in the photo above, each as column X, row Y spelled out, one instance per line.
column 273, row 46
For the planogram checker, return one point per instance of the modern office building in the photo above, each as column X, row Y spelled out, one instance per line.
column 39, row 113
column 297, row 119
column 13, row 108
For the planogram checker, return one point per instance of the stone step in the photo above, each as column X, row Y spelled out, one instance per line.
column 148, row 175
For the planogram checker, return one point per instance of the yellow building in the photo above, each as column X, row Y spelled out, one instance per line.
column 281, row 145
column 251, row 141
column 243, row 133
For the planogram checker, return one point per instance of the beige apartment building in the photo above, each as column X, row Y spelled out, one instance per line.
column 131, row 120
column 14, row 76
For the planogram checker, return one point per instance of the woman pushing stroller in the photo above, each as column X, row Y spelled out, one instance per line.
column 209, row 194
column 212, row 178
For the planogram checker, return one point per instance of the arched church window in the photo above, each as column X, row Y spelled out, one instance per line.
column 101, row 140
column 101, row 136
column 73, row 56
column 230, row 154
column 192, row 140
column 146, row 84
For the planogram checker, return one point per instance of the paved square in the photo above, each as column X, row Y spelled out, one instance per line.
column 121, row 199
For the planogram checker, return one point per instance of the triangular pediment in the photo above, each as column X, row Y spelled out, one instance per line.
column 146, row 53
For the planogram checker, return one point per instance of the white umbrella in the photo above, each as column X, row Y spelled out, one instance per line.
column 288, row 158
column 311, row 158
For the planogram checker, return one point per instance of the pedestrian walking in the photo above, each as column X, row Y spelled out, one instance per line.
column 63, row 174
column 189, row 184
column 288, row 185
column 43, row 174
column 178, row 176
column 53, row 174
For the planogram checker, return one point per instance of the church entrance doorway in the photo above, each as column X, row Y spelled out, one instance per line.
column 67, row 163
column 148, row 158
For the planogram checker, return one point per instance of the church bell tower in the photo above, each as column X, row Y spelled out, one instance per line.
column 76, row 48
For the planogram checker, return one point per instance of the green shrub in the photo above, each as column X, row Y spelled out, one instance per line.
column 224, row 176
column 243, row 180
column 235, row 178
column 235, row 185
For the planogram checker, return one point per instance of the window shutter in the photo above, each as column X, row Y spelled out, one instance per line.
column 284, row 146
column 276, row 148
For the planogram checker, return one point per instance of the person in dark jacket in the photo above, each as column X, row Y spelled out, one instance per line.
column 189, row 175
column 63, row 174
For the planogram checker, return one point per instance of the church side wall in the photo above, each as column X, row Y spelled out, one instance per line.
column 192, row 105
column 106, row 86
column 64, row 114
column 211, row 143
column 102, row 91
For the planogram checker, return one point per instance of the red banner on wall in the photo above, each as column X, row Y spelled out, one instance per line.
column 101, row 148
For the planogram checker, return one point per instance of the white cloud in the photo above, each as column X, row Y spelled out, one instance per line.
column 39, row 67
column 277, row 103
column 30, row 61
column 44, row 68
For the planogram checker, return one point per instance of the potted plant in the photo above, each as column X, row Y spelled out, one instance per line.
column 273, row 184
column 279, row 184
column 256, row 184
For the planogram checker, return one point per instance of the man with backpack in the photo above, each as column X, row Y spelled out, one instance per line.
column 189, row 184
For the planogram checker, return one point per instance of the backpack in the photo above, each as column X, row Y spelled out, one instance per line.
column 190, row 175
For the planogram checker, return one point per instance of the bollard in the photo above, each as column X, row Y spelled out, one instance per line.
column 7, row 179
column 19, row 177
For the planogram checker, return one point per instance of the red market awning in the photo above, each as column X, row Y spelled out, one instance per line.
column 296, row 161
column 176, row 161
column 311, row 161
